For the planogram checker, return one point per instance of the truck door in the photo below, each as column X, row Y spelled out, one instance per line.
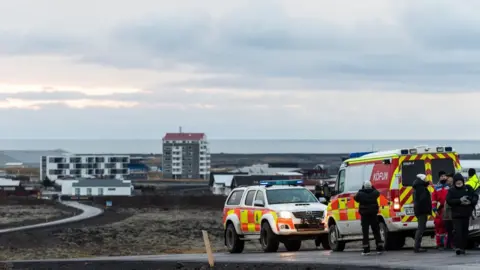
column 247, row 213
column 338, row 203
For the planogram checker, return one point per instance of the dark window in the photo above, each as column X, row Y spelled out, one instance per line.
column 444, row 164
column 249, row 198
column 260, row 197
column 341, row 181
column 75, row 160
column 410, row 169
column 235, row 197
column 63, row 166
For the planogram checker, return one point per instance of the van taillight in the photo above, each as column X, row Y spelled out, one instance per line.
column 395, row 197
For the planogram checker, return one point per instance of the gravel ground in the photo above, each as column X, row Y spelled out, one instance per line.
column 147, row 231
column 24, row 213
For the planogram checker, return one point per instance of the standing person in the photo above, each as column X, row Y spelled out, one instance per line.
column 422, row 206
column 319, row 191
column 438, row 205
column 473, row 179
column 447, row 217
column 368, row 209
column 462, row 199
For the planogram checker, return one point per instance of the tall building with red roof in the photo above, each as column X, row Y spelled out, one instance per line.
column 186, row 156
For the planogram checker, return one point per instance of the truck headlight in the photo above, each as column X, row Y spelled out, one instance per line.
column 285, row 214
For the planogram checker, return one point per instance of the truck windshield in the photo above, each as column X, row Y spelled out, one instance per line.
column 297, row 195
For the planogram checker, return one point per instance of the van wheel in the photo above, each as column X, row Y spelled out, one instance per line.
column 292, row 245
column 391, row 241
column 232, row 241
column 333, row 241
column 268, row 239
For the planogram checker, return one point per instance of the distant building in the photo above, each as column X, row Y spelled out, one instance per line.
column 105, row 166
column 137, row 169
column 14, row 165
column 186, row 155
column 8, row 183
column 97, row 187
column 265, row 169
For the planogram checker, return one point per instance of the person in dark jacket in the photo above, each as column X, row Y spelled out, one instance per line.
column 462, row 199
column 422, row 207
column 368, row 209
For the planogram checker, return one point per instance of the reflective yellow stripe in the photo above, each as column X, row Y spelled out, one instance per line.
column 385, row 211
column 243, row 217
column 428, row 166
column 335, row 215
column 274, row 215
column 342, row 204
column 351, row 214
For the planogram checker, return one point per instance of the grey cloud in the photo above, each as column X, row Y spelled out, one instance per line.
column 445, row 27
column 313, row 54
column 265, row 48
column 57, row 95
column 37, row 43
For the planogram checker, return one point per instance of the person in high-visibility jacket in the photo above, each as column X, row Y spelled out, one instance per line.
column 473, row 179
column 439, row 196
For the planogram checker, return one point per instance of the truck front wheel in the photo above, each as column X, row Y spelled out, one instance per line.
column 268, row 239
column 232, row 241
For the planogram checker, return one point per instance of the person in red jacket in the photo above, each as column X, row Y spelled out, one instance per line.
column 439, row 196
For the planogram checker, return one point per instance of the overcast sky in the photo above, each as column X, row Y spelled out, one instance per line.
column 306, row 69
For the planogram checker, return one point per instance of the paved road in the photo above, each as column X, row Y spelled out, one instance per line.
column 404, row 259
column 88, row 212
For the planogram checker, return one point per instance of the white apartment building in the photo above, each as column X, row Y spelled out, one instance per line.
column 84, row 166
column 97, row 187
column 186, row 155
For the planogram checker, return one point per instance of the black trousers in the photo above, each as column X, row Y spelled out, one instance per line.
column 422, row 225
column 449, row 229
column 461, row 232
column 370, row 221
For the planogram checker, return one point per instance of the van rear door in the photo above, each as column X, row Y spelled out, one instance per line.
column 428, row 164
column 410, row 169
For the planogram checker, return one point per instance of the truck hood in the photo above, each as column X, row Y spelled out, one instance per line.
column 292, row 207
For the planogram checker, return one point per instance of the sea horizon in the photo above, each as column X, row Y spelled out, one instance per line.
column 235, row 146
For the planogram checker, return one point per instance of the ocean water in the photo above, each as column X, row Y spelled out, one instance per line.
column 234, row 146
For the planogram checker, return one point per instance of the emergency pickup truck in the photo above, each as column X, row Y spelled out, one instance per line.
column 274, row 212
